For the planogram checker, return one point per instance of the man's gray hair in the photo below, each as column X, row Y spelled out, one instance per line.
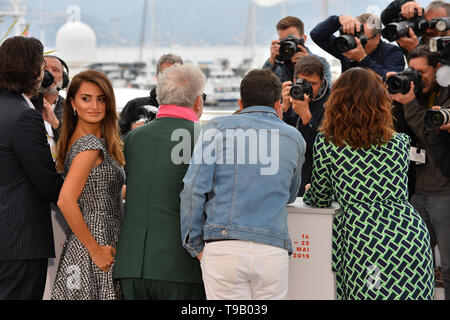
column 180, row 85
column 168, row 58
column 372, row 22
column 437, row 5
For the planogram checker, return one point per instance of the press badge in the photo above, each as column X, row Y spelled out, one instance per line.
column 418, row 156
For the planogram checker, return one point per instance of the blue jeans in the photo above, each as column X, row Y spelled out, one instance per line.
column 435, row 211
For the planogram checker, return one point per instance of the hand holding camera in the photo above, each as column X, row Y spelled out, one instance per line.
column 49, row 115
column 299, row 96
column 403, row 86
column 438, row 117
column 288, row 50
column 352, row 40
column 409, row 42
column 356, row 54
column 410, row 8
column 349, row 24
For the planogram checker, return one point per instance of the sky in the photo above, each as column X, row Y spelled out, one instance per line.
column 183, row 22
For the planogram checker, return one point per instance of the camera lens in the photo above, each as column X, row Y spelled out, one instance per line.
column 287, row 50
column 436, row 118
column 390, row 32
column 344, row 43
column 395, row 84
column 296, row 93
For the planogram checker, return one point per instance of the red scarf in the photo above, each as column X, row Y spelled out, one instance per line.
column 173, row 111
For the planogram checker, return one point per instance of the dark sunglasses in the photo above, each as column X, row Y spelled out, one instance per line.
column 204, row 97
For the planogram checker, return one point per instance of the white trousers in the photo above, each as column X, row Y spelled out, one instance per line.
column 244, row 270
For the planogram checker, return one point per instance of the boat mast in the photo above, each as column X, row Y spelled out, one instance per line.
column 153, row 30
column 324, row 9
column 144, row 20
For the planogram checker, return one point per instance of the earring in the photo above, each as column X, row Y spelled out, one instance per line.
column 74, row 112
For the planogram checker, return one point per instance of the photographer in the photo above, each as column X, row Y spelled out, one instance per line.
column 377, row 55
column 52, row 111
column 134, row 109
column 408, row 9
column 306, row 115
column 432, row 187
column 294, row 28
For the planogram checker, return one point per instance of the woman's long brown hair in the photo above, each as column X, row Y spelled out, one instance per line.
column 358, row 112
column 110, row 129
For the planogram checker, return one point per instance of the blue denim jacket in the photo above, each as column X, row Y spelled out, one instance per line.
column 225, row 197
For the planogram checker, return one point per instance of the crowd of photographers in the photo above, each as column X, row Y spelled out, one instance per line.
column 419, row 93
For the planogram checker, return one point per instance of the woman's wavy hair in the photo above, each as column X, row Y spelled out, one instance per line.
column 358, row 112
column 110, row 129
column 21, row 60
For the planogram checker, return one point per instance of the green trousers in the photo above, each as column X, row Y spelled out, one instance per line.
column 144, row 289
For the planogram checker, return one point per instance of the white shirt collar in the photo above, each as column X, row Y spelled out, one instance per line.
column 28, row 101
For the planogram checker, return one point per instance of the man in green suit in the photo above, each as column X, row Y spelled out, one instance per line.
column 151, row 262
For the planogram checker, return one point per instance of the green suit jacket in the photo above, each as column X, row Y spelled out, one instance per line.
column 150, row 245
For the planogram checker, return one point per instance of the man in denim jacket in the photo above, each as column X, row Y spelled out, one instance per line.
column 245, row 168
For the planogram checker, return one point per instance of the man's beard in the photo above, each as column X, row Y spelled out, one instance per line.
column 52, row 89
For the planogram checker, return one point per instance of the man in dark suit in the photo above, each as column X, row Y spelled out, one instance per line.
column 28, row 178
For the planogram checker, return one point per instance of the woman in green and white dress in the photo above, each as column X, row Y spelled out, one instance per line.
column 381, row 246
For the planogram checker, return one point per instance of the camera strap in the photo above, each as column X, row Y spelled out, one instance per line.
column 432, row 99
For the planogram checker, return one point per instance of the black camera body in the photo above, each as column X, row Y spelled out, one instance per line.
column 437, row 118
column 346, row 42
column 400, row 27
column 300, row 88
column 401, row 82
column 288, row 47
column 146, row 113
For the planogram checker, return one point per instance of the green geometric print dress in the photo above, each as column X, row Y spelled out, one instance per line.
column 381, row 246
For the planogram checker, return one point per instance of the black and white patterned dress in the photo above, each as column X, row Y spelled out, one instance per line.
column 78, row 278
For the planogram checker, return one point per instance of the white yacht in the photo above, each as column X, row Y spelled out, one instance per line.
column 222, row 86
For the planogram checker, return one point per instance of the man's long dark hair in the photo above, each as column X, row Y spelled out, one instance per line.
column 21, row 62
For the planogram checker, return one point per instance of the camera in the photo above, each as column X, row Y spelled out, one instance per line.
column 440, row 44
column 48, row 79
column 346, row 42
column 401, row 82
column 300, row 88
column 436, row 118
column 400, row 27
column 288, row 47
column 440, row 24
column 146, row 114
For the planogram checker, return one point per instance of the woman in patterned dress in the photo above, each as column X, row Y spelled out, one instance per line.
column 90, row 154
column 381, row 245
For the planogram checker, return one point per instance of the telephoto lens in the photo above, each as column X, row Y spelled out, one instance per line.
column 397, row 30
column 300, row 88
column 400, row 83
column 440, row 24
column 437, row 118
column 346, row 42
